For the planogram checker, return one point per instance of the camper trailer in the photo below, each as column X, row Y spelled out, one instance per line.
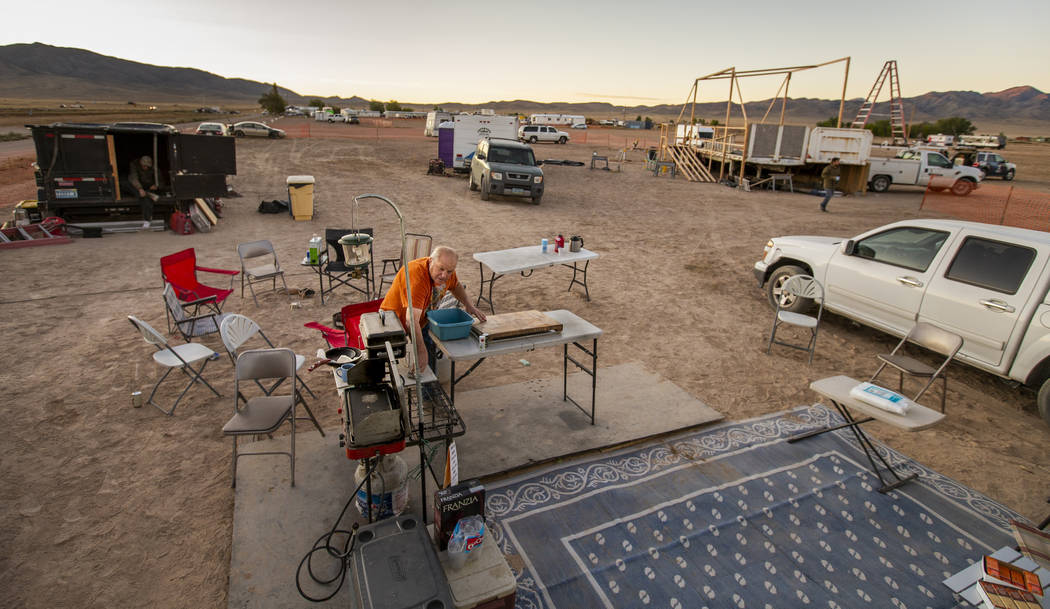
column 433, row 120
column 557, row 119
column 467, row 130
column 80, row 167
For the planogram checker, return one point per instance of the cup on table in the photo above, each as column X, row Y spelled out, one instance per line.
column 543, row 246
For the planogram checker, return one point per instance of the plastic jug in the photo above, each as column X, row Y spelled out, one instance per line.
column 315, row 249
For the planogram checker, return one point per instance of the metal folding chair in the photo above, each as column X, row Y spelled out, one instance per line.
column 182, row 357
column 930, row 337
column 417, row 245
column 265, row 267
column 806, row 287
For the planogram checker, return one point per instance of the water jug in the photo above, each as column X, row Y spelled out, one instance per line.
column 315, row 249
column 575, row 243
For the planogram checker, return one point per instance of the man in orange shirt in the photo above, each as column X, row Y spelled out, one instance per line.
column 432, row 277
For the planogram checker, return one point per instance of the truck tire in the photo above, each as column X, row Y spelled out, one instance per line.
column 776, row 283
column 1009, row 175
column 470, row 179
column 536, row 199
column 880, row 183
column 239, row 133
column 1043, row 401
column 962, row 187
column 533, row 140
column 484, row 188
column 562, row 140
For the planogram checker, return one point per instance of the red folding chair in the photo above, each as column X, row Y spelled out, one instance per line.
column 349, row 334
column 180, row 270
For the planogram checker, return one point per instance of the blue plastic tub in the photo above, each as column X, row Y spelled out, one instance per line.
column 450, row 324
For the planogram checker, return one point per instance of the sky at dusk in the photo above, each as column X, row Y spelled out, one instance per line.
column 612, row 51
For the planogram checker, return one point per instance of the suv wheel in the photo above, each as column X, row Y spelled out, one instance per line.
column 484, row 188
column 1009, row 175
column 533, row 140
column 536, row 199
column 561, row 140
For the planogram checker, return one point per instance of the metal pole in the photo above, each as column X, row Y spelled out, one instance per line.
column 842, row 100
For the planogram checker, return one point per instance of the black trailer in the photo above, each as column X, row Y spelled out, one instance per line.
column 80, row 167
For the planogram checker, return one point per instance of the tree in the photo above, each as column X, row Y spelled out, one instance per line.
column 272, row 101
column 393, row 106
column 317, row 103
column 714, row 122
column 638, row 118
column 879, row 128
column 830, row 122
column 376, row 105
column 956, row 126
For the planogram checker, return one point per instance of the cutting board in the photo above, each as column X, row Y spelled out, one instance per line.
column 520, row 323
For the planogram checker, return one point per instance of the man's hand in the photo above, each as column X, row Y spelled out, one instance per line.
column 471, row 309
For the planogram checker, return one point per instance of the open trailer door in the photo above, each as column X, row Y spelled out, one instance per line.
column 202, row 163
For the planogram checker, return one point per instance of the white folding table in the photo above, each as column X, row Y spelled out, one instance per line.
column 530, row 258
column 574, row 331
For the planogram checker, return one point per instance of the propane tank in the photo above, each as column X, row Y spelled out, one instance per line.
column 389, row 487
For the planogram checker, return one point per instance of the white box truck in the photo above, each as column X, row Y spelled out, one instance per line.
column 434, row 119
column 469, row 128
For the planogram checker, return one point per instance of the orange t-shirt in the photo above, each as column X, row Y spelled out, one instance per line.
column 425, row 295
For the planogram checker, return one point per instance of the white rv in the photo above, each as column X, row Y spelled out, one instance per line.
column 434, row 119
column 469, row 128
column 557, row 119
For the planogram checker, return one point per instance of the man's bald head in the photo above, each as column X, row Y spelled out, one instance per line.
column 443, row 262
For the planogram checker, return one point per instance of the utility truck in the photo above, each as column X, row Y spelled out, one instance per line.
column 922, row 167
column 989, row 284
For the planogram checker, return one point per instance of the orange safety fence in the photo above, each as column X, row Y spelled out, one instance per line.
column 993, row 203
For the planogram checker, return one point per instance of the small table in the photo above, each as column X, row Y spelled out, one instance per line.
column 836, row 389
column 574, row 330
column 529, row 258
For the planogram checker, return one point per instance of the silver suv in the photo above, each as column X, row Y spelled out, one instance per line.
column 505, row 167
column 541, row 133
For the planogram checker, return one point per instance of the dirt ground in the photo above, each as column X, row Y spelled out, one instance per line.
column 107, row 505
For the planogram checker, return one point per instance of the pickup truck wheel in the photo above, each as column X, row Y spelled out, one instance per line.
column 1009, row 175
column 484, row 188
column 1043, row 401
column 472, row 185
column 533, row 140
column 774, row 290
column 880, row 183
column 961, row 188
column 561, row 140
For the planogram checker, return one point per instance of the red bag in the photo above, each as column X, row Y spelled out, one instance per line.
column 181, row 223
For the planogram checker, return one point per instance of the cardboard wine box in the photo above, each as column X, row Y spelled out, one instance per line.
column 451, row 504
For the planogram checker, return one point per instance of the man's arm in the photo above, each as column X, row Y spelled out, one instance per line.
column 461, row 296
column 133, row 179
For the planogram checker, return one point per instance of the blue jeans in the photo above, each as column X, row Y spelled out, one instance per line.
column 828, row 193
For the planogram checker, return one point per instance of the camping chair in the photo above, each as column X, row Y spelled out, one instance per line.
column 263, row 414
column 416, row 246
column 180, row 270
column 191, row 319
column 236, row 330
column 798, row 286
column 182, row 357
column 347, row 331
column 929, row 337
column 336, row 269
column 261, row 254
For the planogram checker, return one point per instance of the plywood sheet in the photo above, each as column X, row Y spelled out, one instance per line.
column 519, row 323
column 204, row 209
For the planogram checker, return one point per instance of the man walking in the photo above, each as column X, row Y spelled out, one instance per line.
column 830, row 176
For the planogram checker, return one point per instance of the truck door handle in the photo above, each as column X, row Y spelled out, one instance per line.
column 999, row 305
column 913, row 282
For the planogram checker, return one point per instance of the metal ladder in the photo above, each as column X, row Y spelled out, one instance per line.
column 898, row 129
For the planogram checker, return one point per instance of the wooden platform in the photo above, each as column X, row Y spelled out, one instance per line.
column 519, row 323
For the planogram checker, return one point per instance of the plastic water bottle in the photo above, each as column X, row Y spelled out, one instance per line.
column 543, row 246
column 315, row 248
column 466, row 539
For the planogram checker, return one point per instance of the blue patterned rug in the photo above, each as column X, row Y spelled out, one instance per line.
column 734, row 516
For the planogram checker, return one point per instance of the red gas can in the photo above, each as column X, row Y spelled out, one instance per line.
column 181, row 223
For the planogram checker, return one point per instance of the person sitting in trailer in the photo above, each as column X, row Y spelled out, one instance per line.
column 142, row 184
column 432, row 277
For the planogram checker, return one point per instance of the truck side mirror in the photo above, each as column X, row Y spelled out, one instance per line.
column 480, row 156
column 539, row 162
column 851, row 248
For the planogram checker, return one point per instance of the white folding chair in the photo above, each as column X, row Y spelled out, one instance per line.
column 930, row 337
column 181, row 357
column 261, row 255
column 805, row 287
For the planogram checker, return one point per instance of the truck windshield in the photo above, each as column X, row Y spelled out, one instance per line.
column 513, row 156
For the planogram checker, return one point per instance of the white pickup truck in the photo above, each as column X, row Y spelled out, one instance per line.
column 920, row 167
column 983, row 282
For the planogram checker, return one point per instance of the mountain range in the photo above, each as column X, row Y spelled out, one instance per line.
column 41, row 71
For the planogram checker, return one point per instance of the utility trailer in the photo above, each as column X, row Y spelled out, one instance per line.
column 467, row 130
column 80, row 167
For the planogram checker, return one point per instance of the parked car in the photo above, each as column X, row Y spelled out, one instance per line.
column 213, row 129
column 992, row 164
column 541, row 133
column 353, row 120
column 253, row 128
column 607, row 121
column 986, row 283
column 506, row 167
column 580, row 126
column 336, row 118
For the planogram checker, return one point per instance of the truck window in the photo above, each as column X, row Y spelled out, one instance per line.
column 991, row 264
column 936, row 160
column 909, row 247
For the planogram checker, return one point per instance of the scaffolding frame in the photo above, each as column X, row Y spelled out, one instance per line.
column 724, row 143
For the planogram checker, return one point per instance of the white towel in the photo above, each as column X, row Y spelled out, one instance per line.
column 880, row 397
